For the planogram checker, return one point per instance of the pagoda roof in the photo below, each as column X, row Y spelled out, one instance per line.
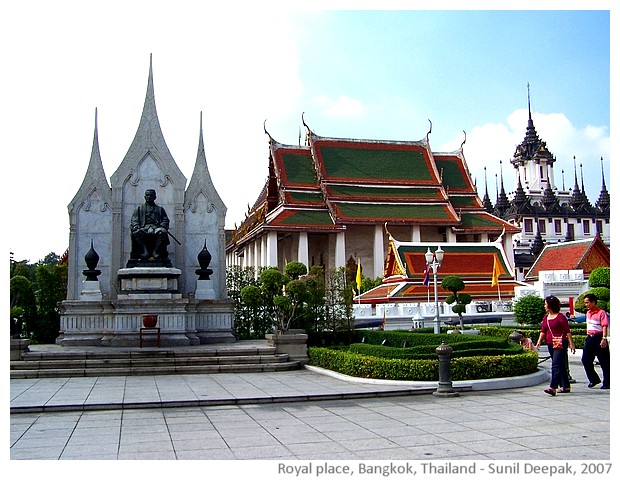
column 583, row 255
column 332, row 182
column 472, row 262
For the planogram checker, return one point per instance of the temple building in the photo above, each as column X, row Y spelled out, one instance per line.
column 545, row 213
column 335, row 200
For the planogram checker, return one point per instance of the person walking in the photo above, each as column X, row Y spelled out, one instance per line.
column 557, row 335
column 597, row 344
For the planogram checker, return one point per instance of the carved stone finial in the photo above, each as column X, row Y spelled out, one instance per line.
column 204, row 259
column 92, row 259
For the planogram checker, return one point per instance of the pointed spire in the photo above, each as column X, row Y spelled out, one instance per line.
column 200, row 181
column 502, row 203
column 520, row 198
column 95, row 178
column 538, row 243
column 576, row 195
column 549, row 199
column 149, row 138
column 604, row 202
column 95, row 171
column 486, row 201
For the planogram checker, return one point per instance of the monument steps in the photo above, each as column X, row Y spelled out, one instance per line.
column 149, row 361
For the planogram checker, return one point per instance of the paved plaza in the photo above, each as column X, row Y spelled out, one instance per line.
column 303, row 415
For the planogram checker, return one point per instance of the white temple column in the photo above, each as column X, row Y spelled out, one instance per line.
column 415, row 233
column 302, row 249
column 378, row 259
column 256, row 262
column 272, row 249
column 339, row 255
column 263, row 251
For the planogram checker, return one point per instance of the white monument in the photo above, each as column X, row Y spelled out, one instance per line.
column 110, row 288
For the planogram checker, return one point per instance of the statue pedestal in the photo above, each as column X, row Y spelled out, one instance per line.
column 91, row 290
column 149, row 283
column 144, row 291
column 204, row 290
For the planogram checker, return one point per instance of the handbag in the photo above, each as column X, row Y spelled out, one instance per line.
column 556, row 342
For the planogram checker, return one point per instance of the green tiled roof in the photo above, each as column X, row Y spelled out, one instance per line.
column 480, row 219
column 372, row 211
column 298, row 169
column 301, row 218
column 354, row 163
column 315, row 198
column 409, row 193
column 453, row 176
column 464, row 201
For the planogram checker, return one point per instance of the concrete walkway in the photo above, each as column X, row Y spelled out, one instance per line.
column 305, row 414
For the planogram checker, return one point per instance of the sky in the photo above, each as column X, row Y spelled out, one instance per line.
column 379, row 72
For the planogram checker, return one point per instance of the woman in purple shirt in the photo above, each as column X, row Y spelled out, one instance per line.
column 555, row 324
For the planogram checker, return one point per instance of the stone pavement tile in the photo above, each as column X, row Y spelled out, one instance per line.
column 493, row 445
column 425, row 440
column 149, row 447
column 262, row 452
column 89, row 450
column 397, row 431
column 525, row 454
column 397, row 453
column 577, row 452
column 292, row 438
column 316, row 449
column 446, row 450
column 211, row 454
column 250, row 439
column 351, row 434
column 198, row 443
column 188, row 433
column 362, row 444
column 466, row 436
column 441, row 426
column 331, row 423
column 36, row 453
column 128, row 439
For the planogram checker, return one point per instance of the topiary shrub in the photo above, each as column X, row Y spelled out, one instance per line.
column 529, row 309
column 600, row 277
column 603, row 296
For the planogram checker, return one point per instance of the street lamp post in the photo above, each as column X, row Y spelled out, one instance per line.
column 433, row 260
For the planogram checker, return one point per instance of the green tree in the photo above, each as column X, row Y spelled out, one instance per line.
column 52, row 281
column 529, row 310
column 599, row 283
column 454, row 284
column 23, row 306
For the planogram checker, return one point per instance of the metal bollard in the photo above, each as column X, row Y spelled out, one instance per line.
column 445, row 377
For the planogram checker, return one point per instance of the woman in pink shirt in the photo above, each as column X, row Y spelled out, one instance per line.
column 597, row 326
column 555, row 324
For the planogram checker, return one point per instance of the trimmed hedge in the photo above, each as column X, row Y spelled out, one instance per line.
column 489, row 346
column 467, row 368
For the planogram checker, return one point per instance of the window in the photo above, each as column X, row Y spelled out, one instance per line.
column 558, row 226
column 542, row 227
column 529, row 225
column 599, row 227
column 586, row 227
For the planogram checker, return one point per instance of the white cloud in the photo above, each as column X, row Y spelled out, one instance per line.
column 343, row 106
column 489, row 143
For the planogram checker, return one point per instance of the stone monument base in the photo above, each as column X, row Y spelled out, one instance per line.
column 146, row 291
column 117, row 323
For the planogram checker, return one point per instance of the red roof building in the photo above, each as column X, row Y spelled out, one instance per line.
column 583, row 255
column 332, row 198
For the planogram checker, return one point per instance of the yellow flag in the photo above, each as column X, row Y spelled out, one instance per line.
column 496, row 272
column 358, row 277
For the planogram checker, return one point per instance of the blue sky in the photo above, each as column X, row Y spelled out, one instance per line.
column 375, row 74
